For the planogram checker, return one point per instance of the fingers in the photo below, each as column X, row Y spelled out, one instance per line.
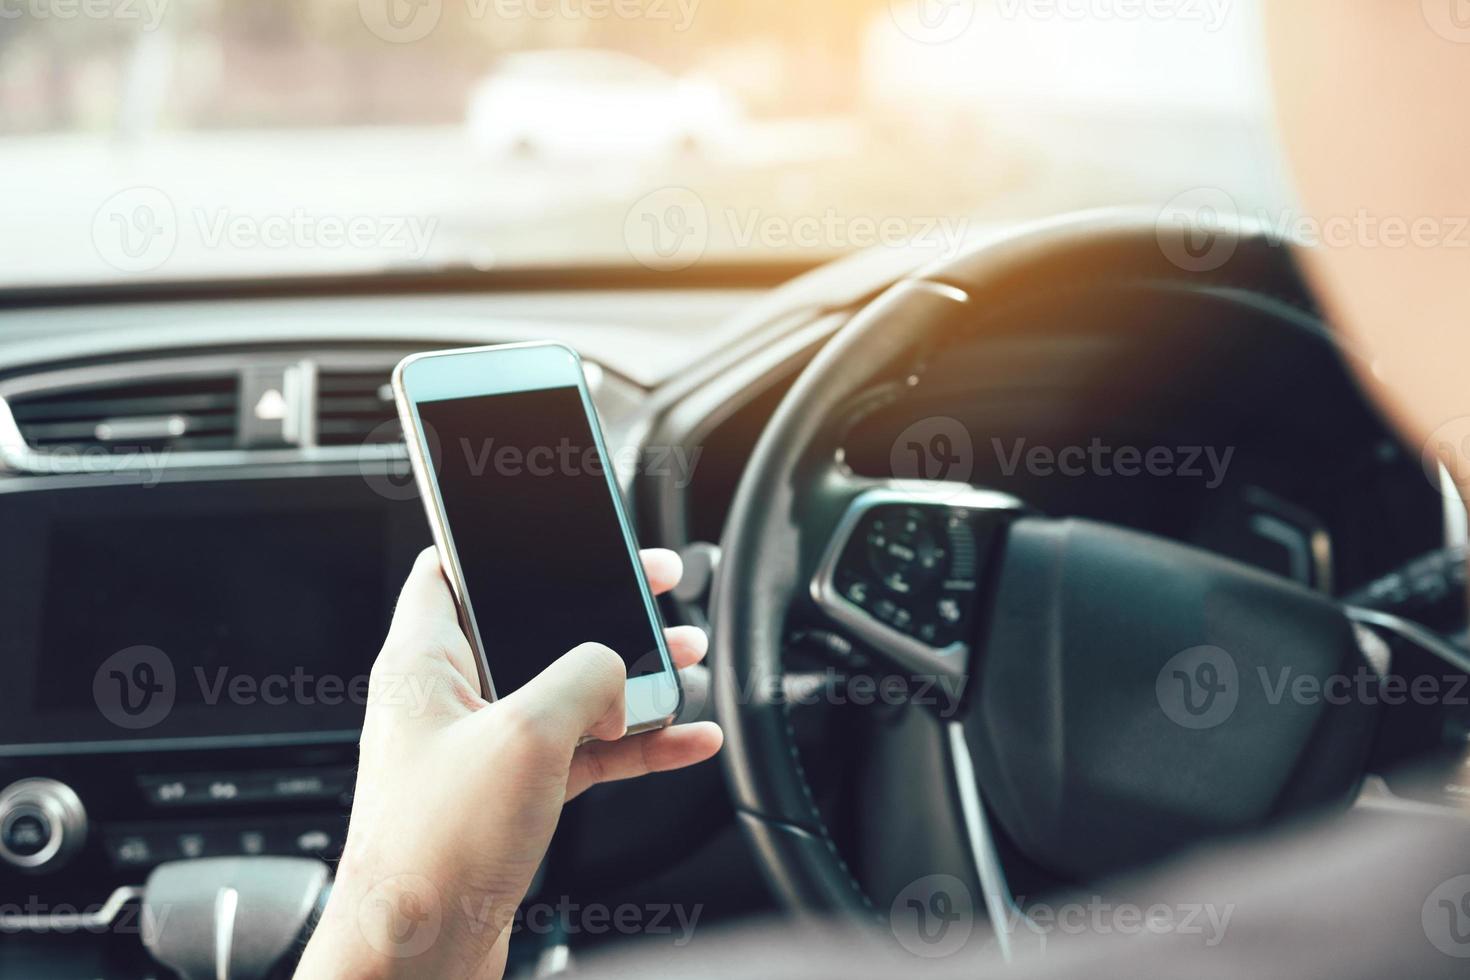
column 687, row 645
column 663, row 568
column 660, row 751
column 581, row 693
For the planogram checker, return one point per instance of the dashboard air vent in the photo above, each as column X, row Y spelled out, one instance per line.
column 355, row 407
column 186, row 414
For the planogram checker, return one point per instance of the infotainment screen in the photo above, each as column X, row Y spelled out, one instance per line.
column 221, row 595
column 198, row 610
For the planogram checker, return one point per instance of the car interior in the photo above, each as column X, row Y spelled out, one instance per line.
column 969, row 437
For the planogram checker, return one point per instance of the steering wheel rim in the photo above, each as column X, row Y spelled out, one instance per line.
column 783, row 515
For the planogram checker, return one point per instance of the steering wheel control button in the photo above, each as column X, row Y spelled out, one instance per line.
column 42, row 824
column 949, row 610
column 903, row 549
column 901, row 574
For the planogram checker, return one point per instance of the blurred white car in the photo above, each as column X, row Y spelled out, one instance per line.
column 588, row 102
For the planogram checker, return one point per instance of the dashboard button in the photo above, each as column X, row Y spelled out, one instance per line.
column 132, row 851
column 327, row 783
column 26, row 831
column 192, row 845
column 173, row 791
column 42, row 824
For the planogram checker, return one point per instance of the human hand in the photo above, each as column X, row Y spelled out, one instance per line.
column 457, row 798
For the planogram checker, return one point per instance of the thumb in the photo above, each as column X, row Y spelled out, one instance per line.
column 580, row 694
column 425, row 602
column 425, row 629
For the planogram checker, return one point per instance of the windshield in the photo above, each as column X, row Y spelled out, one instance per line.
column 175, row 139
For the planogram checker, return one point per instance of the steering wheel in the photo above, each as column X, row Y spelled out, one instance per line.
column 1101, row 722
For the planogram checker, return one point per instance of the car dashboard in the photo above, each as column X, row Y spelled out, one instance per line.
column 207, row 511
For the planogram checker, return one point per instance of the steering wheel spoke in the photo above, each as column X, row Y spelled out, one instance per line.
column 904, row 570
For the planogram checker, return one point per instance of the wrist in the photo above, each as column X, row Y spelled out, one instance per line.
column 386, row 926
column 339, row 948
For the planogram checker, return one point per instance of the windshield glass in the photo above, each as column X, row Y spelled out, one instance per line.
column 174, row 139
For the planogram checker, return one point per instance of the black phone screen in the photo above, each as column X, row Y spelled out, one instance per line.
column 545, row 562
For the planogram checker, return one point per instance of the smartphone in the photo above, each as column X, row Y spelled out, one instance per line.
column 528, row 518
